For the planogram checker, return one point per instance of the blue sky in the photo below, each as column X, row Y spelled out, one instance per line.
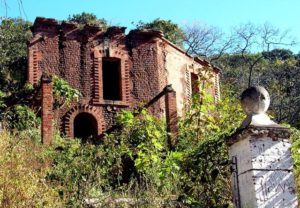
column 283, row 14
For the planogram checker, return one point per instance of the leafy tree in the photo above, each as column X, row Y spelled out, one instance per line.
column 235, row 70
column 88, row 19
column 245, row 41
column 171, row 30
column 277, row 70
column 281, row 78
column 278, row 54
column 15, row 94
column 250, row 37
column 13, row 53
column 63, row 93
column 21, row 117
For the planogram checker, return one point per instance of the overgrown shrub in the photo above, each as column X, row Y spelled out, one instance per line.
column 23, row 168
column 205, row 168
column 295, row 139
column 21, row 117
column 132, row 166
column 135, row 162
column 63, row 93
column 76, row 171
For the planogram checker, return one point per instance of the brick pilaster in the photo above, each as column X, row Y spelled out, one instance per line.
column 171, row 115
column 47, row 110
column 33, row 72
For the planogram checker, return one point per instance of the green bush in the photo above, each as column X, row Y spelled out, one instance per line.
column 23, row 168
column 63, row 93
column 76, row 170
column 295, row 139
column 21, row 117
column 132, row 164
column 205, row 172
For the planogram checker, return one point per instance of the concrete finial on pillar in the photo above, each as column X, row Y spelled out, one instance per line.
column 255, row 102
column 261, row 158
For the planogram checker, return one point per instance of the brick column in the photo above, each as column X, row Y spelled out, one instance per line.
column 47, row 110
column 171, row 115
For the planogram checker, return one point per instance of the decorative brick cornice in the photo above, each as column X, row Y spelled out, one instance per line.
column 34, row 72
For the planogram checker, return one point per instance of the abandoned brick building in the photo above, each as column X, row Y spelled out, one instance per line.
column 113, row 71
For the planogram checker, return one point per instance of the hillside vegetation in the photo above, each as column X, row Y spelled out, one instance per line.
column 134, row 167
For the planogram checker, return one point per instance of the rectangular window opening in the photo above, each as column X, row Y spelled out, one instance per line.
column 195, row 84
column 111, row 76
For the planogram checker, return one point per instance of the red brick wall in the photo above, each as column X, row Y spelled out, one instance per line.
column 76, row 55
column 145, row 74
column 43, row 50
column 47, row 111
column 117, row 49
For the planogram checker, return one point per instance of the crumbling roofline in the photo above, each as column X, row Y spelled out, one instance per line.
column 117, row 30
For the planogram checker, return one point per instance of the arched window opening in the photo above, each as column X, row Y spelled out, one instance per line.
column 85, row 126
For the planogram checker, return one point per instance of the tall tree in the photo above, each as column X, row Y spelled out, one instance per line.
column 14, row 34
column 206, row 41
column 278, row 54
column 250, row 38
column 246, row 39
column 277, row 70
column 13, row 52
column 88, row 19
column 171, row 30
column 281, row 77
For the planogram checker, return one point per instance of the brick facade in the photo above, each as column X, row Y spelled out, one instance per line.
column 47, row 110
column 144, row 61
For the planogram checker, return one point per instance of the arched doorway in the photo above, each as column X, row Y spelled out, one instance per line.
column 85, row 126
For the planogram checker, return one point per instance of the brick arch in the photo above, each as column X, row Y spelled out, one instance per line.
column 71, row 115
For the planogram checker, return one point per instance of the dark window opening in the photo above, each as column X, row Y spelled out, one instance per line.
column 111, row 71
column 85, row 126
column 195, row 84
